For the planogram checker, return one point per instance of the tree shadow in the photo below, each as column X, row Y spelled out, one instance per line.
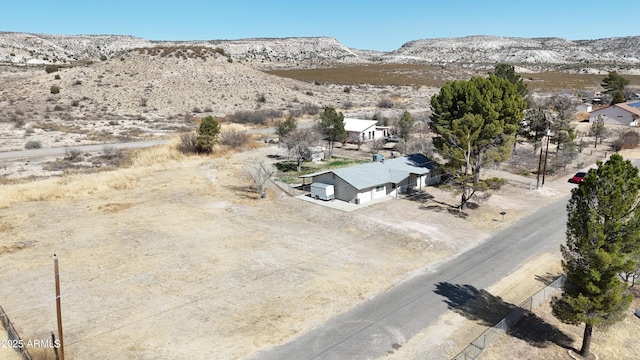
column 538, row 333
column 244, row 191
column 474, row 304
column 489, row 310
column 547, row 278
column 419, row 196
column 428, row 202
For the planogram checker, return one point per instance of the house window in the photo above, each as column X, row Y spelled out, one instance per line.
column 379, row 188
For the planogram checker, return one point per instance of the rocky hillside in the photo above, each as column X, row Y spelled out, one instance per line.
column 492, row 49
column 22, row 48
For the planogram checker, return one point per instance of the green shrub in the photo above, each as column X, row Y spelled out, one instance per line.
column 51, row 68
column 347, row 90
column 57, row 77
column 55, row 89
column 103, row 57
column 207, row 134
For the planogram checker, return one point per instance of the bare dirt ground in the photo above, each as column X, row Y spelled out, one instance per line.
column 181, row 258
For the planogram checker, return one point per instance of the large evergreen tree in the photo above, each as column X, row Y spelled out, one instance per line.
column 332, row 127
column 614, row 82
column 618, row 97
column 508, row 72
column 603, row 229
column 475, row 123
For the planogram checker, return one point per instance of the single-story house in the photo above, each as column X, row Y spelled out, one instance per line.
column 618, row 114
column 365, row 182
column 364, row 130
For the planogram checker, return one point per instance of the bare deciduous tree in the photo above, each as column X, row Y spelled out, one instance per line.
column 298, row 142
column 260, row 174
column 376, row 145
column 598, row 130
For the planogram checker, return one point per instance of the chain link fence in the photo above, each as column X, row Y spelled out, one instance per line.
column 488, row 336
column 13, row 337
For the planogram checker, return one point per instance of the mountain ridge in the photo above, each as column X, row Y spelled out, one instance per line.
column 19, row 48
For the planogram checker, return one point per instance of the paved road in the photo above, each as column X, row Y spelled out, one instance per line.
column 371, row 329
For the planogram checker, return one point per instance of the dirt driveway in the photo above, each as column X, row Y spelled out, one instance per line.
column 180, row 260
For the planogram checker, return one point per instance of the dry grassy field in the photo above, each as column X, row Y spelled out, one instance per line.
column 436, row 76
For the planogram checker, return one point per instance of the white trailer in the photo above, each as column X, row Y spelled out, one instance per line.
column 322, row 191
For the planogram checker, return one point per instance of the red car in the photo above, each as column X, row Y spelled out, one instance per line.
column 578, row 177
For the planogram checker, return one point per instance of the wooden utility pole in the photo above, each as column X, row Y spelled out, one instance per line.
column 546, row 155
column 58, row 309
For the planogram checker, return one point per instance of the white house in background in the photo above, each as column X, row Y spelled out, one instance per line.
column 364, row 130
column 618, row 114
column 378, row 179
column 585, row 107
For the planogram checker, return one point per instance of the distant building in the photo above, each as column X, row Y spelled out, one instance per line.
column 364, row 130
column 618, row 114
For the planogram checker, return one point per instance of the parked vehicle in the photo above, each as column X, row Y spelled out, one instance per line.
column 578, row 177
column 322, row 191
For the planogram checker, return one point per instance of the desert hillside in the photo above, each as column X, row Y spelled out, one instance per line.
column 622, row 53
column 81, row 89
column 540, row 52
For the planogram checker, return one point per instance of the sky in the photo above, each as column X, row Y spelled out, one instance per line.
column 365, row 25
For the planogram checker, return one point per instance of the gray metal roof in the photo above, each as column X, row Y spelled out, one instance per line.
column 379, row 173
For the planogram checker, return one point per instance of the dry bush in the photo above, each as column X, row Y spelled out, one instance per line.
column 71, row 186
column 33, row 144
column 310, row 109
column 235, row 139
column 156, row 155
column 385, row 103
column 188, row 142
column 259, row 117
column 114, row 155
column 73, row 154
column 627, row 139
